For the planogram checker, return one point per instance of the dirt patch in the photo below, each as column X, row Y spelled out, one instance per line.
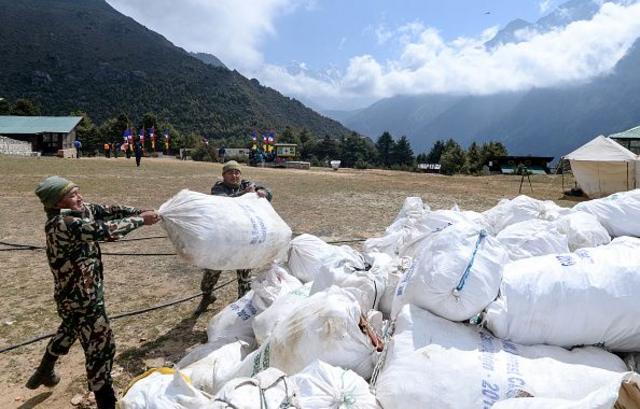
column 333, row 205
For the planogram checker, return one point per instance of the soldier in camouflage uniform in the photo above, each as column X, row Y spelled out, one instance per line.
column 231, row 185
column 75, row 260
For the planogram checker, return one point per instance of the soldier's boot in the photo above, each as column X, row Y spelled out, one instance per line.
column 105, row 397
column 207, row 299
column 45, row 374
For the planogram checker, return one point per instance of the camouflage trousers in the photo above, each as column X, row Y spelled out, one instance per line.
column 96, row 338
column 210, row 279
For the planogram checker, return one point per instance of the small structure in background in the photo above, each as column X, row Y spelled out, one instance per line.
column 48, row 135
column 335, row 164
column 509, row 165
column 14, row 147
column 602, row 167
column 630, row 139
column 237, row 153
column 429, row 167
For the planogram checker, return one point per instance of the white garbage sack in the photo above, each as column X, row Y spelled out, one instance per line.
column 224, row 233
column 366, row 286
column 533, row 238
column 455, row 275
column 435, row 362
column 307, row 254
column 589, row 297
column 325, row 326
column 623, row 393
column 269, row 389
column 233, row 323
column 403, row 229
column 264, row 323
column 583, row 230
column 520, row 209
column 212, row 371
column 163, row 389
column 392, row 269
column 618, row 213
column 322, row 386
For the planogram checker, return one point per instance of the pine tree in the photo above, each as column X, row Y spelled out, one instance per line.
column 436, row 151
column 385, row 146
column 453, row 159
column 402, row 154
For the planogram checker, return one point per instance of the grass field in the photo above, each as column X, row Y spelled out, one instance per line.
column 333, row 205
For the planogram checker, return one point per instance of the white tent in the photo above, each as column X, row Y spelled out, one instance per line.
column 603, row 166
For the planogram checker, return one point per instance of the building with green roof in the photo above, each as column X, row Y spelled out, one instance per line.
column 630, row 139
column 47, row 134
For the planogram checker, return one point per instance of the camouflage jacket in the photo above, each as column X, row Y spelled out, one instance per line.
column 222, row 189
column 74, row 253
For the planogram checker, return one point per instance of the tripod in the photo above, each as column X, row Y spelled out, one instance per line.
column 525, row 172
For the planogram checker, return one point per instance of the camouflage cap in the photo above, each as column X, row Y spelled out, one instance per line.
column 52, row 189
column 230, row 165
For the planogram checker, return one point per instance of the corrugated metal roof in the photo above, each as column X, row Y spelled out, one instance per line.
column 10, row 124
column 633, row 133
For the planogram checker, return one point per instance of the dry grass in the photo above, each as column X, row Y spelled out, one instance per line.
column 343, row 204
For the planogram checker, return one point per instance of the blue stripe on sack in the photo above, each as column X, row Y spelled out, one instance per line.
column 467, row 270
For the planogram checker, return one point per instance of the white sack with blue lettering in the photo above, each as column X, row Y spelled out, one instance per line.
column 433, row 362
column 455, row 274
column 234, row 322
column 589, row 297
column 225, row 233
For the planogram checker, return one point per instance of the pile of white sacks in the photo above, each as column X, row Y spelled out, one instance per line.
column 521, row 306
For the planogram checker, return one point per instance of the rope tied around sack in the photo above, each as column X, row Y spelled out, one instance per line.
column 467, row 270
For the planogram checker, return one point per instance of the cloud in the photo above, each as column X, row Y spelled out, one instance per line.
column 231, row 30
column 545, row 6
column 424, row 62
column 429, row 64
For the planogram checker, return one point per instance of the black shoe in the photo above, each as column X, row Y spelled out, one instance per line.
column 105, row 397
column 204, row 303
column 45, row 374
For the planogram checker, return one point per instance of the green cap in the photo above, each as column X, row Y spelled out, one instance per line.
column 230, row 165
column 52, row 189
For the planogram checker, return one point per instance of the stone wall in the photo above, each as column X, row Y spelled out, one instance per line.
column 10, row 146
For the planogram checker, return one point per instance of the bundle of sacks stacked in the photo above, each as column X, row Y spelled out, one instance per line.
column 520, row 306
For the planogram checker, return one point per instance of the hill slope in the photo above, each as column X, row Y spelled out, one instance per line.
column 68, row 55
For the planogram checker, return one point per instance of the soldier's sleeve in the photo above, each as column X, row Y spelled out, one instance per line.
column 218, row 190
column 266, row 189
column 85, row 229
column 113, row 212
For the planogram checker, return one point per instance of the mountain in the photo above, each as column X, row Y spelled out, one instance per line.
column 551, row 121
column 83, row 55
column 208, row 59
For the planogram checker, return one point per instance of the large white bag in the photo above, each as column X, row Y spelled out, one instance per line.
column 391, row 269
column 264, row 322
column 325, row 327
column 322, row 386
column 623, row 393
column 366, row 286
column 432, row 362
column 216, row 368
column 163, row 391
column 269, row 389
column 583, row 230
column 308, row 254
column 589, row 297
column 533, row 238
column 225, row 233
column 618, row 213
column 455, row 275
column 520, row 209
column 233, row 323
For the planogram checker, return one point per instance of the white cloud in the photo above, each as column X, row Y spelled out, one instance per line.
column 545, row 5
column 425, row 62
column 576, row 53
column 231, row 30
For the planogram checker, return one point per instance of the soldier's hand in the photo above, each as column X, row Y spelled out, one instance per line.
column 250, row 189
column 150, row 217
column 261, row 193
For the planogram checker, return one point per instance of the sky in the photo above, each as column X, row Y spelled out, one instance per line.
column 344, row 55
